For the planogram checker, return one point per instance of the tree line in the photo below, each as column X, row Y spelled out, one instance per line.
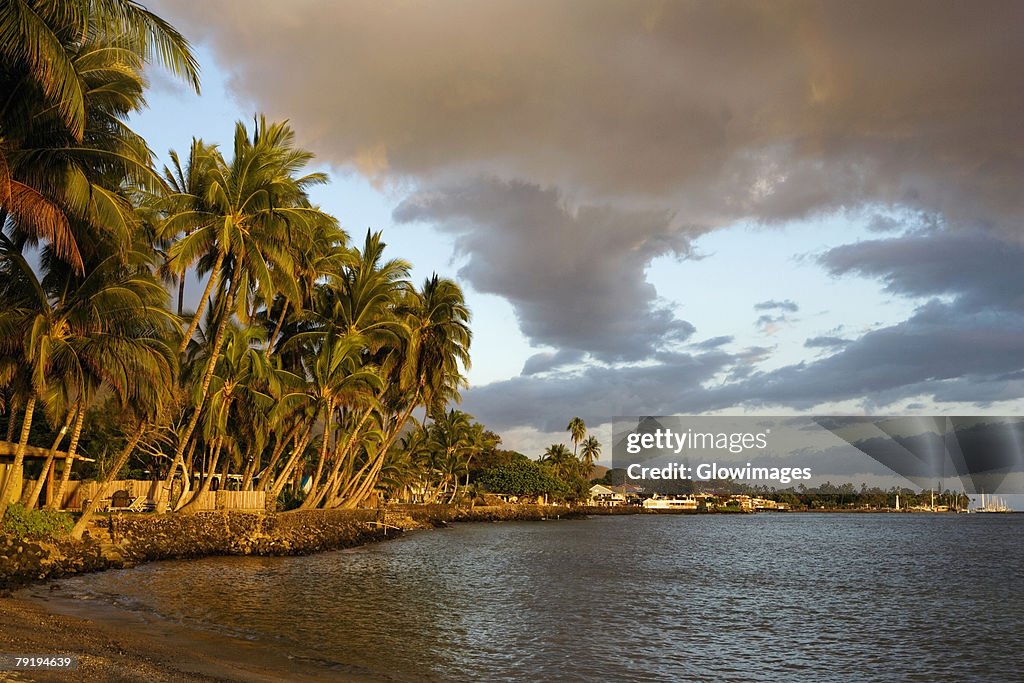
column 308, row 356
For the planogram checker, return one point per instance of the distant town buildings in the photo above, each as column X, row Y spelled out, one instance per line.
column 628, row 494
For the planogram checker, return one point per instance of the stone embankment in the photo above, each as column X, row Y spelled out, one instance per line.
column 124, row 540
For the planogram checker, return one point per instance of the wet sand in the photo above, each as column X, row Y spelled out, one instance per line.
column 135, row 650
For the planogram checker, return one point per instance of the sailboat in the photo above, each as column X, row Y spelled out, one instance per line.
column 992, row 505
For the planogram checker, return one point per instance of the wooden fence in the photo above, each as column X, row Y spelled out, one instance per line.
column 80, row 491
column 251, row 501
column 152, row 490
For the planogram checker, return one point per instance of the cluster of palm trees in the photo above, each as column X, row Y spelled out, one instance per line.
column 578, row 463
column 434, row 462
column 305, row 354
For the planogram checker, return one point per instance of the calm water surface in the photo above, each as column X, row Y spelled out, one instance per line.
column 822, row 597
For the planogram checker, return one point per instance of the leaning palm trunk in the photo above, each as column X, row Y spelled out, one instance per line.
column 33, row 499
column 370, row 481
column 276, row 455
column 57, row 501
column 194, row 325
column 250, row 469
column 15, row 470
column 106, row 483
column 191, row 504
column 277, row 329
column 314, row 492
column 342, row 458
column 286, row 472
column 211, row 367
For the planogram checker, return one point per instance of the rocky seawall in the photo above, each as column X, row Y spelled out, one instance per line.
column 124, row 540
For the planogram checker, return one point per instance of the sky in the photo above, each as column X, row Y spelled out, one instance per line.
column 661, row 208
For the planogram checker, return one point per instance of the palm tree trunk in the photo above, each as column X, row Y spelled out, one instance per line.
column 194, row 325
column 10, row 420
column 211, row 366
column 276, row 455
column 33, row 498
column 181, row 295
column 57, row 502
column 342, row 457
column 250, row 468
column 277, row 329
column 282, row 479
column 15, row 470
column 371, row 478
column 192, row 504
column 90, row 505
column 314, row 491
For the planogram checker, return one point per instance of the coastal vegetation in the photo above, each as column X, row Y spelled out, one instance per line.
column 307, row 356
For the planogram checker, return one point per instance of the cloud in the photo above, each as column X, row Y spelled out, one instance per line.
column 939, row 343
column 597, row 393
column 575, row 275
column 771, row 323
column 717, row 111
column 937, row 353
column 962, row 345
column 550, row 360
column 825, row 342
column 787, row 306
column 981, row 270
column 713, row 343
column 568, row 144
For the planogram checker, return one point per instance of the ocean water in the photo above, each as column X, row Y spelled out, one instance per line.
column 785, row 597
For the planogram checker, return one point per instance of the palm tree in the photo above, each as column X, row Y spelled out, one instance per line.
column 242, row 378
column 577, row 430
column 251, row 207
column 427, row 367
column 451, row 437
column 560, row 459
column 590, row 453
column 319, row 255
column 186, row 185
column 337, row 378
column 39, row 39
column 108, row 329
column 71, row 72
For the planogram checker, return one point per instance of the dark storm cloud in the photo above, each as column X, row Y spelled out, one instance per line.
column 964, row 345
column 597, row 394
column 718, row 110
column 786, row 305
column 550, row 360
column 575, row 275
column 622, row 130
column 979, row 269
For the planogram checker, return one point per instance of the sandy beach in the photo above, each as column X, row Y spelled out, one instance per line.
column 137, row 650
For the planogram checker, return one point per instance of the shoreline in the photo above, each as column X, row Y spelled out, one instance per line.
column 143, row 648
column 138, row 650
column 127, row 540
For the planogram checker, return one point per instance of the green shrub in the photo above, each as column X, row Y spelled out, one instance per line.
column 40, row 524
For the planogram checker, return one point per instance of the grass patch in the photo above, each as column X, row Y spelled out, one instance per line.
column 39, row 524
